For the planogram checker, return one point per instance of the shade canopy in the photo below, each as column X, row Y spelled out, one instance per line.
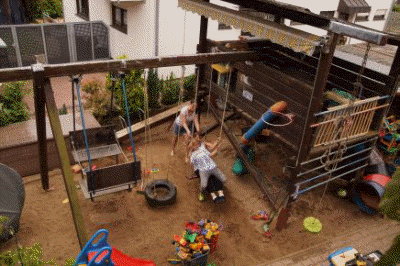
column 286, row 36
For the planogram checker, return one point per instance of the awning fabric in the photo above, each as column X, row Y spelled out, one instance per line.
column 292, row 38
column 354, row 6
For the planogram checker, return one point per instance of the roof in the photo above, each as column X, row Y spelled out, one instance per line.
column 354, row 6
column 25, row 132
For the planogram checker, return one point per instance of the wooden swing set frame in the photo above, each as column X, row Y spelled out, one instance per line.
column 44, row 96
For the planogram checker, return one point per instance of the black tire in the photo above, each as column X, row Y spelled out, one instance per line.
column 157, row 200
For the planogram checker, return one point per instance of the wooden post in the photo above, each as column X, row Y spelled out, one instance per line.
column 65, row 163
column 202, row 46
column 321, row 77
column 40, row 111
column 324, row 66
column 256, row 173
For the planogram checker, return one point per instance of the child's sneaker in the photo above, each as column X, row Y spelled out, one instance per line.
column 201, row 196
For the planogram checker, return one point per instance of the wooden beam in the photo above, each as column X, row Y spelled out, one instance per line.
column 257, row 174
column 315, row 101
column 68, row 69
column 292, row 12
column 65, row 164
column 151, row 121
column 214, row 126
column 202, row 46
column 40, row 112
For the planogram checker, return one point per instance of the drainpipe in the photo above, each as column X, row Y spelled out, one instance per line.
column 156, row 31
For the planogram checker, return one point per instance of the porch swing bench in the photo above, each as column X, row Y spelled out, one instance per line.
column 102, row 181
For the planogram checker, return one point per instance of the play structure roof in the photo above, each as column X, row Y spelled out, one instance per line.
column 292, row 38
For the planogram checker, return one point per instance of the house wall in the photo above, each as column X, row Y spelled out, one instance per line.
column 139, row 42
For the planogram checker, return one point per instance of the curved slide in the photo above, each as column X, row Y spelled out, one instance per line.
column 102, row 254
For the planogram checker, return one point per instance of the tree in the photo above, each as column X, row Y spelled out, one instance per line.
column 12, row 107
column 134, row 84
column 153, row 88
column 390, row 206
column 170, row 93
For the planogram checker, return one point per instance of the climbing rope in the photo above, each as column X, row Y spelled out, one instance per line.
column 83, row 123
column 343, row 125
column 226, row 101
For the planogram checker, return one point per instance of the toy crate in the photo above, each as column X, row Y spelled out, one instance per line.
column 200, row 261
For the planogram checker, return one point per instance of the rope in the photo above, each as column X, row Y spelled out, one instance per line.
column 209, row 90
column 196, row 92
column 83, row 125
column 176, row 115
column 342, row 126
column 122, row 75
column 226, row 101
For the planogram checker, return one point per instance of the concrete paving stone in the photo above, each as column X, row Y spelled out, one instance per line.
column 287, row 262
column 277, row 263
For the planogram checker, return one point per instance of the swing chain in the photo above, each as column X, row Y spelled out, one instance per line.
column 358, row 84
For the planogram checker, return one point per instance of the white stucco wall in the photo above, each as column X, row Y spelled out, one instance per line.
column 139, row 42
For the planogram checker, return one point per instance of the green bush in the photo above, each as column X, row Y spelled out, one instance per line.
column 396, row 8
column 12, row 107
column 91, row 86
column 98, row 100
column 134, row 83
column 42, row 8
column 153, row 88
column 63, row 110
column 28, row 256
column 171, row 89
column 189, row 84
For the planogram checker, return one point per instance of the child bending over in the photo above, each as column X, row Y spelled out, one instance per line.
column 200, row 156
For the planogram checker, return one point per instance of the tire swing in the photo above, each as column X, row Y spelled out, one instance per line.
column 158, row 192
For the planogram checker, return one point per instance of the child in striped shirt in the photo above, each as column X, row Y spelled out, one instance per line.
column 200, row 157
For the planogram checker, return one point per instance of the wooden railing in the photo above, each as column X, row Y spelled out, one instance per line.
column 346, row 121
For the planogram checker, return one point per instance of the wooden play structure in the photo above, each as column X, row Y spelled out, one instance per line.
column 337, row 105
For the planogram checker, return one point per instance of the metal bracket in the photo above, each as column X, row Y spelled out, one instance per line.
column 353, row 31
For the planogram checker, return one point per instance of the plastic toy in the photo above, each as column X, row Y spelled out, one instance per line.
column 261, row 215
column 102, row 254
column 260, row 124
column 191, row 247
column 312, row 225
column 180, row 240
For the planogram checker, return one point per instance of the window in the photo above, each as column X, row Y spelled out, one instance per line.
column 380, row 14
column 293, row 23
column 119, row 19
column 82, row 8
column 344, row 16
column 246, row 33
column 222, row 26
column 328, row 14
column 362, row 17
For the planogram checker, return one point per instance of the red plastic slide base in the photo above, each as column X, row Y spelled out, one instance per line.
column 120, row 259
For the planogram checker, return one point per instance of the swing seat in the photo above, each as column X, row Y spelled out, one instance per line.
column 110, row 179
column 101, row 140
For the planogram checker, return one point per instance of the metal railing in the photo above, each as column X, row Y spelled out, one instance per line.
column 58, row 42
